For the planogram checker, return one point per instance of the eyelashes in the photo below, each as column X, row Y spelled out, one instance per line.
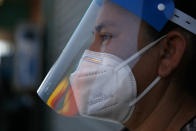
column 103, row 36
column 106, row 37
column 101, row 41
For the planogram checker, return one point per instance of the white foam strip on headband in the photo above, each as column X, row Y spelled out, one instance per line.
column 184, row 20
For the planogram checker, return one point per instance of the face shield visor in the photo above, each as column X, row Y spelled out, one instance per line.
column 92, row 77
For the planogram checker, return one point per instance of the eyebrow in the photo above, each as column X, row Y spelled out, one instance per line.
column 103, row 25
column 99, row 27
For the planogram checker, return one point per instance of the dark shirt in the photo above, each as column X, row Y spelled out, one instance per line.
column 190, row 126
column 125, row 129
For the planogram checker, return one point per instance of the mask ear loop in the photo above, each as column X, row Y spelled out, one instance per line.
column 139, row 53
column 145, row 91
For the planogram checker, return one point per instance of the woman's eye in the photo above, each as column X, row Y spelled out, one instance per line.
column 106, row 37
column 102, row 36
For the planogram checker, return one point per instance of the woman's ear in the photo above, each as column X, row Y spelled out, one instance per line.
column 171, row 52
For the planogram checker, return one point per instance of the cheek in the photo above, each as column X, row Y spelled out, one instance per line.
column 146, row 70
column 122, row 46
column 129, row 44
column 116, row 47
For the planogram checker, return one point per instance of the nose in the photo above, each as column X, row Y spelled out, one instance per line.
column 95, row 46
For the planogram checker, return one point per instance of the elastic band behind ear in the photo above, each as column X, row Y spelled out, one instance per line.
column 139, row 53
column 145, row 91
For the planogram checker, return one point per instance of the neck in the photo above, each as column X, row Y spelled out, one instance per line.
column 172, row 111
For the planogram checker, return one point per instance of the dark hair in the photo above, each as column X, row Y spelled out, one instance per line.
column 186, row 71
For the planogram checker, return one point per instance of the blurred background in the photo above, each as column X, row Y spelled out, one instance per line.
column 32, row 35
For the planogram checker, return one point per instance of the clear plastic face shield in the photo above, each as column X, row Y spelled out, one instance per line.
column 93, row 77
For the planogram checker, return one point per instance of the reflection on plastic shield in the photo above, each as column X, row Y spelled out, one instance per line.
column 62, row 99
column 55, row 90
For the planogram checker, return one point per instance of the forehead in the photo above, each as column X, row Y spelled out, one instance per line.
column 113, row 14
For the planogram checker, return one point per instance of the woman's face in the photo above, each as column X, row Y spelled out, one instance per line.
column 116, row 31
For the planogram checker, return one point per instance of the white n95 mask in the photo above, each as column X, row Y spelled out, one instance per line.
column 104, row 85
column 101, row 91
